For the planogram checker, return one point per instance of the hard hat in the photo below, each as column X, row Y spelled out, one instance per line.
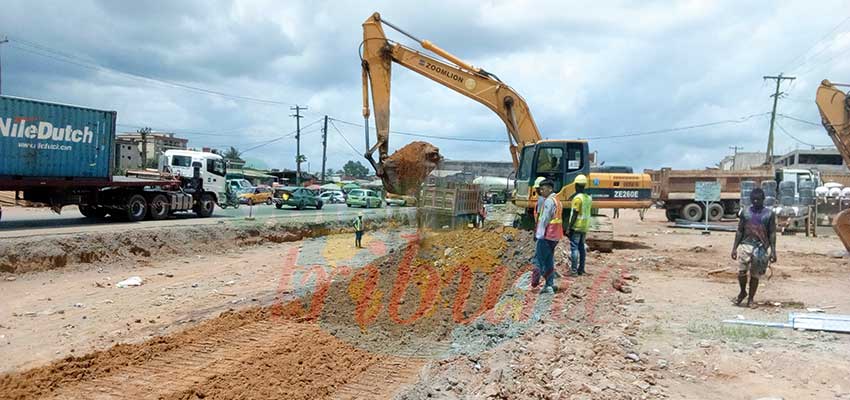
column 537, row 182
column 360, row 214
column 581, row 180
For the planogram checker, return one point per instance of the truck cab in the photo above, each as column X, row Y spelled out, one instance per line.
column 797, row 176
column 211, row 168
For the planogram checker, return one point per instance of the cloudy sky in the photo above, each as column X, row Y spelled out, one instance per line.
column 226, row 72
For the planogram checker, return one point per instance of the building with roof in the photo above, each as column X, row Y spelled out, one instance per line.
column 149, row 146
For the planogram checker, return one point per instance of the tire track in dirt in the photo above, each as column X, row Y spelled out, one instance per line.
column 178, row 370
column 211, row 368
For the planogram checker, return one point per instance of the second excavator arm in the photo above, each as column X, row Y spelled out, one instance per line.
column 834, row 107
column 378, row 54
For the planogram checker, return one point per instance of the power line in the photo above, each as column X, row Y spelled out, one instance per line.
column 681, row 128
column 185, row 131
column 800, row 120
column 354, row 150
column 798, row 140
column 48, row 52
column 804, row 60
column 288, row 135
column 422, row 135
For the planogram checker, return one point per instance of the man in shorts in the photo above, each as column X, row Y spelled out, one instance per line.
column 755, row 245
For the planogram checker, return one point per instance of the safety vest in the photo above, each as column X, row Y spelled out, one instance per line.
column 583, row 217
column 358, row 224
column 555, row 229
column 538, row 208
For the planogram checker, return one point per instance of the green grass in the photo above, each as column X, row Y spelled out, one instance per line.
column 737, row 333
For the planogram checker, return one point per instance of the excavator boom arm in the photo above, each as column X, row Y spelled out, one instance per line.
column 379, row 53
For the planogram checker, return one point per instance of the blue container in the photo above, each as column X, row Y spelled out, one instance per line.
column 49, row 140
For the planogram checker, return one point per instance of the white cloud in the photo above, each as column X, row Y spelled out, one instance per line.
column 586, row 69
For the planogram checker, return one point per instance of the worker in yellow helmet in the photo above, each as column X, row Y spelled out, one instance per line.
column 536, row 272
column 579, row 225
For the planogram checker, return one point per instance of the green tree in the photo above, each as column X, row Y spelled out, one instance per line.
column 355, row 169
column 233, row 154
column 330, row 171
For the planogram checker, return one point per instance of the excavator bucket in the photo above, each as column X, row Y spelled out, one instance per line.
column 405, row 170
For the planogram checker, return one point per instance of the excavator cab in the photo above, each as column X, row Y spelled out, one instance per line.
column 558, row 160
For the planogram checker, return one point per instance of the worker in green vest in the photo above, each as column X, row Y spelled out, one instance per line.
column 359, row 227
column 579, row 225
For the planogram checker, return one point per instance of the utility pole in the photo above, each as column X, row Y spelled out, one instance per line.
column 779, row 78
column 735, row 154
column 4, row 40
column 298, row 117
column 324, row 147
column 144, row 133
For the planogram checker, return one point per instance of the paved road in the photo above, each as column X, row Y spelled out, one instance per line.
column 19, row 221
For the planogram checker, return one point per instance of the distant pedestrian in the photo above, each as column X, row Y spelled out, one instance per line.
column 756, row 238
column 550, row 230
column 616, row 213
column 359, row 227
column 579, row 225
column 535, row 273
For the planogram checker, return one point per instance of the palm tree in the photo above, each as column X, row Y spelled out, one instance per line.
column 233, row 154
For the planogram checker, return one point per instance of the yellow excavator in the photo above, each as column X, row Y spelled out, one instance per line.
column 834, row 107
column 560, row 160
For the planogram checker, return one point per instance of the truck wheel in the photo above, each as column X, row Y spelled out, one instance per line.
column 205, row 206
column 715, row 212
column 92, row 211
column 158, row 208
column 692, row 212
column 300, row 205
column 269, row 201
column 278, row 205
column 671, row 215
column 319, row 205
column 137, row 208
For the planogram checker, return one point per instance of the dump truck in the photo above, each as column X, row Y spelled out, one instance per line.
column 449, row 203
column 674, row 190
column 60, row 155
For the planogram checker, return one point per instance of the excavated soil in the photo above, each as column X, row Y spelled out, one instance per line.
column 361, row 333
column 24, row 255
column 408, row 167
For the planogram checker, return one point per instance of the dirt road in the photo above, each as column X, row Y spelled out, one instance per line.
column 354, row 324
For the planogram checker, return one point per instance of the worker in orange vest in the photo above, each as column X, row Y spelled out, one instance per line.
column 550, row 230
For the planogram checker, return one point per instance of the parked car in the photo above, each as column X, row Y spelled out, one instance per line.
column 332, row 196
column 364, row 198
column 395, row 201
column 257, row 195
column 297, row 197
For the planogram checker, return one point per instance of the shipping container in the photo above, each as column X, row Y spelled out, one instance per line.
column 57, row 141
